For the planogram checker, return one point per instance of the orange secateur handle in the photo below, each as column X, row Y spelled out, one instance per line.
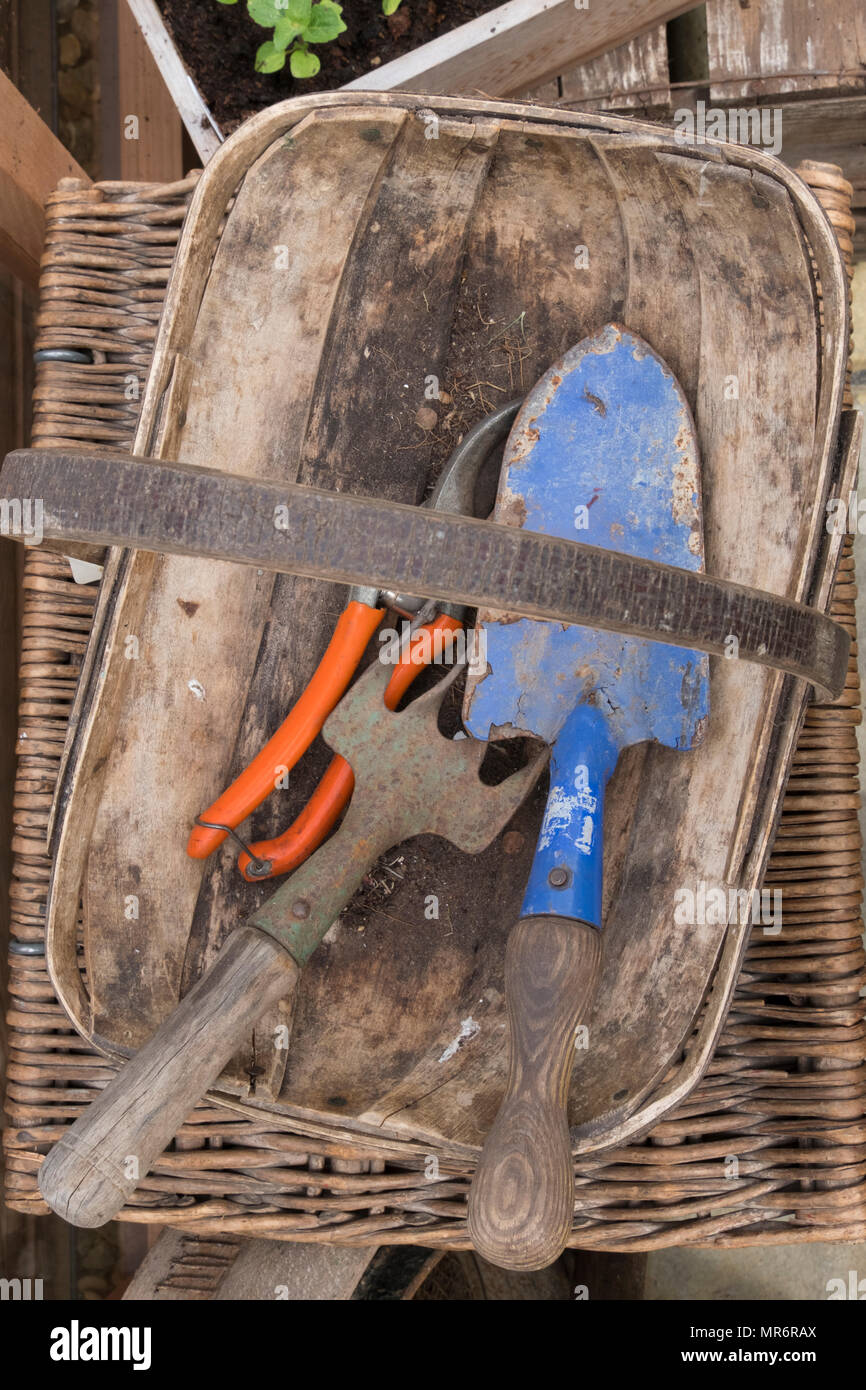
column 331, row 796
column 304, row 721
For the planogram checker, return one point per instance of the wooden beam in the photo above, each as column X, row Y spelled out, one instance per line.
column 519, row 45
column 785, row 46
column 142, row 130
column 810, row 125
column 32, row 163
column 633, row 76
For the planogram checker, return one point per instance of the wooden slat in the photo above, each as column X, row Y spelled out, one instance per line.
column 635, row 75
column 288, row 327
column 781, row 46
column 519, row 46
column 32, row 163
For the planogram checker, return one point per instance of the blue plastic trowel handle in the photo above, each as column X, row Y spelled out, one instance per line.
column 567, row 871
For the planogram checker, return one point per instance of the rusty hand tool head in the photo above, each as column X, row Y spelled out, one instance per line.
column 409, row 777
column 409, row 780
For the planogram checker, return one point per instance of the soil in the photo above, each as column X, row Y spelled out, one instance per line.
column 218, row 43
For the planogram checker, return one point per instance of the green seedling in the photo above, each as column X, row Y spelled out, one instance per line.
column 296, row 24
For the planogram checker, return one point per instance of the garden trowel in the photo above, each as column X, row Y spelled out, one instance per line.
column 604, row 451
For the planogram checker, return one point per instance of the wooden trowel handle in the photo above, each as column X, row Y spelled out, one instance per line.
column 522, row 1199
column 99, row 1162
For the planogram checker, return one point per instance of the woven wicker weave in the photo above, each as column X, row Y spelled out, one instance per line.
column 771, row 1147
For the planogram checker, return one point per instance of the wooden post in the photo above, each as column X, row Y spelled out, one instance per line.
column 784, row 46
column 142, row 131
column 195, row 115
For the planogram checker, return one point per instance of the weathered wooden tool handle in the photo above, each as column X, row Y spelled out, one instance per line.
column 522, row 1199
column 91, row 1171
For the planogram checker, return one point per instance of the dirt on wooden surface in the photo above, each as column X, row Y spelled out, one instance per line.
column 218, row 43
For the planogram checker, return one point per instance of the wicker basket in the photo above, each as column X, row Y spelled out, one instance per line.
column 770, row 1148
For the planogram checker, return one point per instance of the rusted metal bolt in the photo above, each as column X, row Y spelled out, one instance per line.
column 558, row 878
column 301, row 908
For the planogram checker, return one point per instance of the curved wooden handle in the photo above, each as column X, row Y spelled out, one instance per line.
column 91, row 1171
column 522, row 1199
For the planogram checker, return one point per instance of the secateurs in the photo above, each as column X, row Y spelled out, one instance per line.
column 454, row 492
